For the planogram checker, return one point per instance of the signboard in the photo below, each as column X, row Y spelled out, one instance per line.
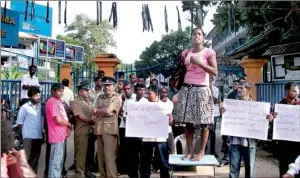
column 74, row 53
column 23, row 61
column 287, row 123
column 147, row 120
column 245, row 119
column 10, row 28
column 56, row 48
column 38, row 24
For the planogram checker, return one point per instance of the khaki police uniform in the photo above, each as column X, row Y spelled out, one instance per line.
column 82, row 131
column 107, row 130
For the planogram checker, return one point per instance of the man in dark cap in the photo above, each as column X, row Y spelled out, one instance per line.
column 82, row 109
column 106, row 128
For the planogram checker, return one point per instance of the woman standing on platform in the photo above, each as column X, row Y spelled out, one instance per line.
column 195, row 102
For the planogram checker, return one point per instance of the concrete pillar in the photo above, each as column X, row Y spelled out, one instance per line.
column 253, row 70
column 107, row 63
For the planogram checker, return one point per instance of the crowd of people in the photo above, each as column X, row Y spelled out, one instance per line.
column 98, row 117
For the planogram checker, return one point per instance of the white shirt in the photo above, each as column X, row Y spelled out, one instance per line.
column 132, row 99
column 27, row 80
column 294, row 168
column 68, row 95
column 216, row 106
column 94, row 95
column 169, row 108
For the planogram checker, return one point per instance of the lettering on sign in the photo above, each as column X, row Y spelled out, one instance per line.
column 147, row 120
column 287, row 123
column 245, row 119
column 7, row 20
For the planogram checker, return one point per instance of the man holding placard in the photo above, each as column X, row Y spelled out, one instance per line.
column 158, row 143
column 243, row 130
column 286, row 128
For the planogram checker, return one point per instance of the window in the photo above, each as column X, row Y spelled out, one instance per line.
column 286, row 67
column 278, row 67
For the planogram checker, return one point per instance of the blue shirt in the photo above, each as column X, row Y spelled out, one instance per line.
column 31, row 119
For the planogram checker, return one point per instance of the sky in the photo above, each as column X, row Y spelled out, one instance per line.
column 130, row 39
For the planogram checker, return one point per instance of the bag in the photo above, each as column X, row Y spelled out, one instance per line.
column 178, row 77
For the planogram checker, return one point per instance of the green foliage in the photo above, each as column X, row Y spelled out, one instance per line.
column 168, row 48
column 196, row 8
column 68, row 39
column 15, row 73
column 258, row 20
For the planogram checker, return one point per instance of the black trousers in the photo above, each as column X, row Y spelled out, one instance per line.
column 91, row 161
column 33, row 148
column 288, row 152
column 147, row 155
column 129, row 155
column 121, row 161
column 211, row 147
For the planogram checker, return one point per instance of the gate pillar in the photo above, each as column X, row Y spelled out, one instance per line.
column 107, row 63
column 253, row 70
column 65, row 73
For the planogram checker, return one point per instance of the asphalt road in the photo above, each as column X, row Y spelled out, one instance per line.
column 265, row 165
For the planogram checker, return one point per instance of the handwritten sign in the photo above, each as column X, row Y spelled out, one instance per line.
column 147, row 120
column 245, row 119
column 287, row 123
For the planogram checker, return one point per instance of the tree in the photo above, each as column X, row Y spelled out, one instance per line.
column 69, row 39
column 196, row 9
column 258, row 16
column 167, row 49
column 228, row 17
column 94, row 38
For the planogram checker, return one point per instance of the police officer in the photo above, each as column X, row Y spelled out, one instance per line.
column 82, row 109
column 106, row 128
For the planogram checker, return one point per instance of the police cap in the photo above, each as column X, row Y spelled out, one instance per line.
column 108, row 81
column 83, row 85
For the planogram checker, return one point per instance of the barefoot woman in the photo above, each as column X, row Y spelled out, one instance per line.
column 195, row 102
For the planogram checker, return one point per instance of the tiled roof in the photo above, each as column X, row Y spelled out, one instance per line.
column 282, row 49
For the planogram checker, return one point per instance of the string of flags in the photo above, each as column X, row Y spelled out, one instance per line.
column 146, row 17
column 147, row 22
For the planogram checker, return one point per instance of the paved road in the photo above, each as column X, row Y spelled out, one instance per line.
column 265, row 166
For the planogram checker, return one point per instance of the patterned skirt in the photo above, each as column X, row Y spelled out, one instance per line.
column 195, row 106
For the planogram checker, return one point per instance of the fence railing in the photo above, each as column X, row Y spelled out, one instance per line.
column 271, row 92
column 11, row 91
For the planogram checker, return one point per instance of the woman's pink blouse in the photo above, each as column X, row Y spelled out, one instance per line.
column 195, row 74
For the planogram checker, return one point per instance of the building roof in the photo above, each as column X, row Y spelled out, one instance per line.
column 252, row 42
column 282, row 49
column 28, row 36
column 211, row 34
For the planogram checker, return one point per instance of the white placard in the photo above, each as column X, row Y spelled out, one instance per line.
column 296, row 61
column 280, row 71
column 147, row 120
column 279, row 60
column 245, row 119
column 287, row 123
